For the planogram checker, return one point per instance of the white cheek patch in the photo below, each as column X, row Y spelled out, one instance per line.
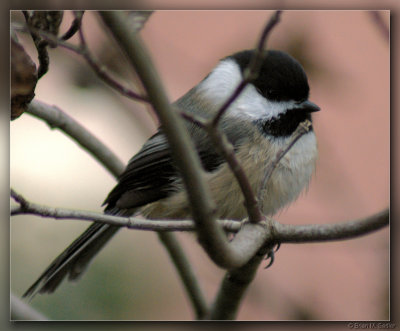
column 222, row 82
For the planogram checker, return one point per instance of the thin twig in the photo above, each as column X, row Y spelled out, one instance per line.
column 30, row 208
column 20, row 199
column 84, row 51
column 75, row 25
column 182, row 265
column 252, row 71
column 219, row 139
column 301, row 129
column 102, row 73
column 226, row 149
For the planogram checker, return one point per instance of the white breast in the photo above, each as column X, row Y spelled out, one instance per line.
column 290, row 177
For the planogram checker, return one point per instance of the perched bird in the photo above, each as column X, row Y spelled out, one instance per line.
column 258, row 124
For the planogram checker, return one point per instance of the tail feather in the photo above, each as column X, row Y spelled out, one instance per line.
column 73, row 261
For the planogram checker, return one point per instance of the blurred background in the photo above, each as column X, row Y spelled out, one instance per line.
column 347, row 61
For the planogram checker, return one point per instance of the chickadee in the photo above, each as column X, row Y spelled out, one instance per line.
column 258, row 124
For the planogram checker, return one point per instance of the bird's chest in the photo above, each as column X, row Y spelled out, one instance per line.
column 289, row 178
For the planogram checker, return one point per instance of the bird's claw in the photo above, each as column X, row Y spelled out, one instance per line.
column 271, row 255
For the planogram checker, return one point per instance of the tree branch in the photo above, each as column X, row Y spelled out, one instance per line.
column 83, row 50
column 56, row 118
column 233, row 288
column 301, row 130
column 252, row 71
column 236, row 281
column 269, row 231
column 287, row 233
column 26, row 207
column 75, row 25
column 186, row 273
column 219, row 139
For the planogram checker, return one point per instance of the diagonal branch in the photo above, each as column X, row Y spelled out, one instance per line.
column 301, row 130
column 75, row 25
column 186, row 273
column 83, row 50
column 252, row 71
column 56, row 118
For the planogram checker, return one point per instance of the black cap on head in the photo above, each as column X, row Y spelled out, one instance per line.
column 281, row 77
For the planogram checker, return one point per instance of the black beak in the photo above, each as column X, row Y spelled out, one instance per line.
column 308, row 106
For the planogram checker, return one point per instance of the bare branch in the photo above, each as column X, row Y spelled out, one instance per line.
column 236, row 281
column 252, row 71
column 56, row 118
column 301, row 129
column 102, row 73
column 186, row 274
column 19, row 198
column 269, row 231
column 226, row 149
column 84, row 51
column 75, row 25
column 286, row 233
column 233, row 288
column 29, row 208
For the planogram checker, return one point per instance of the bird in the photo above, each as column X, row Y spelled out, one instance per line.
column 258, row 124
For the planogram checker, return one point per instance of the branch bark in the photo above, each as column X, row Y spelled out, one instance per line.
column 268, row 232
column 236, row 281
column 26, row 207
column 56, row 118
column 186, row 273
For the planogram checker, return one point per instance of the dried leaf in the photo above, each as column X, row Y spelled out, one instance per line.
column 23, row 79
